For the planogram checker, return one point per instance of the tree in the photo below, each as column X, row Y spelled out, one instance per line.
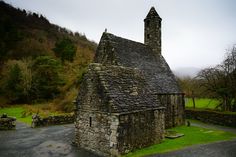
column 25, row 66
column 9, row 36
column 220, row 81
column 13, row 79
column 229, row 68
column 46, row 77
column 65, row 49
column 16, row 81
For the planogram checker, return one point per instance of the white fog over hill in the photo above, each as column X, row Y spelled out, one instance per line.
column 186, row 71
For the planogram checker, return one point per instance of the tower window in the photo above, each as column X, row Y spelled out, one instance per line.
column 90, row 121
column 148, row 36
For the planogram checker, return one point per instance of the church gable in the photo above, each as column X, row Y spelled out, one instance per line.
column 113, row 50
column 116, row 89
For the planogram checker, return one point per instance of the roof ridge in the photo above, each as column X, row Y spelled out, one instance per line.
column 110, row 35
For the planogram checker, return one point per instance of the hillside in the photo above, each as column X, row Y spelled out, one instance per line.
column 25, row 38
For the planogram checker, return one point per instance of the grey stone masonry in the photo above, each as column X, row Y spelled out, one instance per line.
column 214, row 117
column 140, row 129
column 115, row 109
column 152, row 30
column 116, row 89
column 174, row 110
column 7, row 123
column 129, row 95
column 114, row 50
column 38, row 121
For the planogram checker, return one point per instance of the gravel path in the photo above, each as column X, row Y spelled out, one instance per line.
column 53, row 141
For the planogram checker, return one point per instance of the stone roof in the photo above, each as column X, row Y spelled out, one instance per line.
column 114, row 50
column 125, row 89
column 152, row 13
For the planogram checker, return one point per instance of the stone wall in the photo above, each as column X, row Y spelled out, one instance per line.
column 174, row 112
column 117, row 111
column 140, row 129
column 113, row 134
column 7, row 123
column 214, row 117
column 152, row 30
column 37, row 121
column 93, row 131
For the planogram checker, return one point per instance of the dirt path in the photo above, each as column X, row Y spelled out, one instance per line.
column 53, row 141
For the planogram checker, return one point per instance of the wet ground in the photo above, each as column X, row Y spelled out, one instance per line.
column 53, row 141
column 56, row 141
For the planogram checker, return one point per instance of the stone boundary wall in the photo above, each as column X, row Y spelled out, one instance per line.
column 37, row 121
column 7, row 123
column 214, row 117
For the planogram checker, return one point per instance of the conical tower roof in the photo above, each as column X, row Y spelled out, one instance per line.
column 152, row 14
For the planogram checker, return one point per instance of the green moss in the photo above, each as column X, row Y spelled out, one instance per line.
column 192, row 135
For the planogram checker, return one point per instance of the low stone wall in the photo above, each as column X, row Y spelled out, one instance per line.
column 37, row 121
column 214, row 117
column 7, row 123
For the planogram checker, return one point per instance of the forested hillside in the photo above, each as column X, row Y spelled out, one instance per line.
column 39, row 61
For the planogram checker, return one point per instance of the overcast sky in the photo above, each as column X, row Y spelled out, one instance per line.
column 195, row 33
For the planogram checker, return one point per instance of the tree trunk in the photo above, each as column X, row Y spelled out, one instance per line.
column 193, row 99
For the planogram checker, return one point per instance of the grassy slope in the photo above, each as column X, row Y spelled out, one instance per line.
column 37, row 36
column 193, row 135
column 203, row 103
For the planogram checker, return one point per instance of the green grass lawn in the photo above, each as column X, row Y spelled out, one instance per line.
column 202, row 103
column 193, row 135
column 16, row 111
column 23, row 113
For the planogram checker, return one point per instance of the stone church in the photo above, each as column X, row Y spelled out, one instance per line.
column 129, row 95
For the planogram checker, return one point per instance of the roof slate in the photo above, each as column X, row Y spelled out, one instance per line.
column 133, row 54
column 152, row 13
column 126, row 88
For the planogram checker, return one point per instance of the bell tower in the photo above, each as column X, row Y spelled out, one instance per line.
column 152, row 30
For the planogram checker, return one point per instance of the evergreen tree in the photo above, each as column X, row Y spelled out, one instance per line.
column 13, row 88
column 46, row 77
column 65, row 49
